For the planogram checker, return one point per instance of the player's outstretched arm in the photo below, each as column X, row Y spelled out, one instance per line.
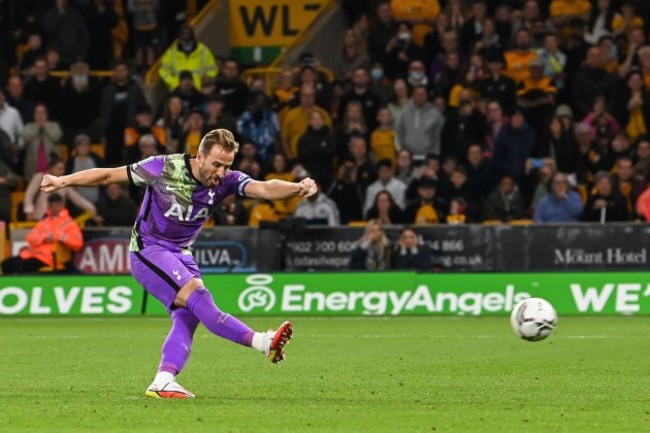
column 276, row 189
column 90, row 177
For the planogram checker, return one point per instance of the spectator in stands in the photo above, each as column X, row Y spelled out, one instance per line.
column 187, row 54
column 11, row 123
column 629, row 186
column 480, row 171
column 102, row 19
column 472, row 29
column 536, row 96
column 260, row 125
column 420, row 125
column 466, row 200
column 562, row 205
column 602, row 123
column 347, row 193
column 66, row 31
column 172, row 122
column 379, row 83
column 311, row 74
column 284, row 94
column 464, row 126
column 497, row 87
column 634, row 106
column 519, row 58
column 404, row 169
column 35, row 49
column 383, row 144
column 562, row 145
column 428, row 208
column 145, row 28
column 505, row 202
column 41, row 87
column 230, row 212
column 627, row 20
column 56, row 227
column 316, row 148
column 411, row 252
column 600, row 21
column 142, row 124
column 119, row 103
column 553, row 59
column 148, row 146
column 372, row 252
column 297, row 120
column 191, row 138
column 605, row 203
column 420, row 14
column 351, row 57
column 233, row 90
column 82, row 159
column 35, row 203
column 592, row 80
column 8, row 182
column 400, row 98
column 353, row 123
column 191, row 97
column 16, row 98
column 382, row 30
column 81, row 94
column 362, row 93
column 319, row 209
column 216, row 117
column 115, row 208
column 642, row 158
column 385, row 210
column 41, row 138
column 563, row 12
column 514, row 145
column 401, row 51
column 386, row 181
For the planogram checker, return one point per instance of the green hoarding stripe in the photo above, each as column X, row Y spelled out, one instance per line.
column 354, row 294
column 70, row 296
column 340, row 294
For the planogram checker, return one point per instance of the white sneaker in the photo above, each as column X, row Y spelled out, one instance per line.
column 170, row 389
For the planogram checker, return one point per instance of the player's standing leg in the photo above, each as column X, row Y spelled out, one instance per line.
column 175, row 352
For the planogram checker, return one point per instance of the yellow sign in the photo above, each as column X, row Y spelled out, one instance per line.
column 265, row 23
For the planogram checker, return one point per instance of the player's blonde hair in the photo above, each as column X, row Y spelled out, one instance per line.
column 220, row 137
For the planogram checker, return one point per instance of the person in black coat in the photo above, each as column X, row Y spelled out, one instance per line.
column 116, row 208
column 605, row 204
column 316, row 149
column 410, row 252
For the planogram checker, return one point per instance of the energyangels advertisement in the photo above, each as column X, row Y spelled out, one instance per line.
column 343, row 294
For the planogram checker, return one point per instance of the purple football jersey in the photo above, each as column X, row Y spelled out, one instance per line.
column 175, row 203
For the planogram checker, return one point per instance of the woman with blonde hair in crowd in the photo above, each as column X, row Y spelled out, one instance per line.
column 373, row 250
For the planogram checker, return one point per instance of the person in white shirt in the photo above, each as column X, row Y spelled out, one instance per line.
column 318, row 207
column 385, row 182
column 11, row 122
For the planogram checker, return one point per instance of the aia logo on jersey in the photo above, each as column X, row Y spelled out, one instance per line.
column 178, row 212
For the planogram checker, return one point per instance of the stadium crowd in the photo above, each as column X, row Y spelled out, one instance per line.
column 434, row 112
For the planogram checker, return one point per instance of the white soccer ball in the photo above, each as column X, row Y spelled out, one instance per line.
column 533, row 319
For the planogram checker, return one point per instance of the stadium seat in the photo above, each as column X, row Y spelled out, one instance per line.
column 17, row 198
column 357, row 223
column 99, row 149
column 63, row 152
column 522, row 222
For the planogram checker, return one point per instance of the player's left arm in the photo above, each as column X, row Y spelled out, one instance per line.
column 276, row 189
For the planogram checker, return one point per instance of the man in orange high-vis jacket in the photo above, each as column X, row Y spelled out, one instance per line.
column 56, row 226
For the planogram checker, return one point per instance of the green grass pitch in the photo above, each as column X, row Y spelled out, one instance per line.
column 442, row 374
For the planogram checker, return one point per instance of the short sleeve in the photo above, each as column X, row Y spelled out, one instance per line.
column 237, row 182
column 145, row 172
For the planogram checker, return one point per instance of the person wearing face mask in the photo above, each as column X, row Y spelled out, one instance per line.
column 379, row 83
column 401, row 51
column 187, row 54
